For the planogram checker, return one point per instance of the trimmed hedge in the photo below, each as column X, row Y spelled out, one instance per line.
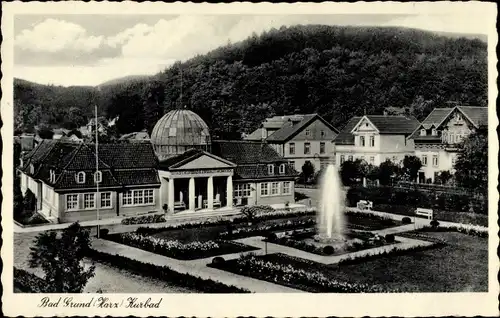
column 414, row 198
column 30, row 283
column 164, row 273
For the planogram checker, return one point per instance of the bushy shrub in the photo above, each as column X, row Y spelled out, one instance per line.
column 30, row 283
column 218, row 260
column 434, row 223
column 389, row 238
column 328, row 250
column 250, row 212
column 406, row 220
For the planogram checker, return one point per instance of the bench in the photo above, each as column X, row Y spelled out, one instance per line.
column 179, row 205
column 364, row 205
column 428, row 213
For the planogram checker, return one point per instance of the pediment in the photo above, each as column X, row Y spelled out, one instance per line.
column 364, row 125
column 205, row 161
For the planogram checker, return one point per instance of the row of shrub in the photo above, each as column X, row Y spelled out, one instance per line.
column 164, row 273
column 468, row 229
column 414, row 198
column 264, row 229
column 286, row 274
column 27, row 282
column 144, row 219
column 395, row 251
column 177, row 249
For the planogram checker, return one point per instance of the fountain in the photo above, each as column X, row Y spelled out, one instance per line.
column 331, row 207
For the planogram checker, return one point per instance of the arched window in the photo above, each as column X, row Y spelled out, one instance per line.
column 282, row 168
column 270, row 169
column 80, row 177
column 434, row 132
column 98, row 177
column 422, row 132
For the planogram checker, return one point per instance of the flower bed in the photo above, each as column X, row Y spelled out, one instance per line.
column 164, row 273
column 282, row 272
column 264, row 229
column 30, row 283
column 177, row 249
column 154, row 218
column 368, row 241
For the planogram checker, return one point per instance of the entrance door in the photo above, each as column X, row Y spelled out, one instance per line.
column 421, row 177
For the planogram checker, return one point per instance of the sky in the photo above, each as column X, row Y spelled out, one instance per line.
column 91, row 49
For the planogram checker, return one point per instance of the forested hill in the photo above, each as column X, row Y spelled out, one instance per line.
column 338, row 72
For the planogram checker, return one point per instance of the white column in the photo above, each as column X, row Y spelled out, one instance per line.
column 229, row 191
column 210, row 193
column 191, row 194
column 171, row 195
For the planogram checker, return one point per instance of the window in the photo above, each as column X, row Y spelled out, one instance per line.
column 105, row 199
column 127, row 198
column 98, row 177
column 434, row 132
column 321, row 147
column 342, row 159
column 52, row 177
column 275, row 188
column 362, row 141
column 350, row 158
column 307, row 148
column 80, row 177
column 282, row 168
column 362, row 158
column 89, row 201
column 149, row 196
column 372, row 141
column 435, row 160
column 453, row 161
column 424, row 160
column 291, row 148
column 372, row 160
column 270, row 169
column 264, row 189
column 422, row 132
column 394, row 159
column 323, row 134
column 242, row 190
column 308, row 132
column 291, row 163
column 138, row 197
column 71, row 202
column 287, row 187
column 451, row 137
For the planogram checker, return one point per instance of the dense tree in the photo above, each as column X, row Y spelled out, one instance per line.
column 411, row 166
column 387, row 172
column 61, row 258
column 307, row 171
column 472, row 163
column 338, row 72
column 29, row 202
column 443, row 177
column 18, row 200
column 351, row 172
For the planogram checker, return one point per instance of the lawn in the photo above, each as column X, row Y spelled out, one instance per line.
column 460, row 266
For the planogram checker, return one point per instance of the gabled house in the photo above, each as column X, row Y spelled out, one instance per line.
column 437, row 138
column 261, row 175
column 375, row 139
column 62, row 176
column 298, row 138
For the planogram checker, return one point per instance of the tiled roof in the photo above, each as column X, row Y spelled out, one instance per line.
column 260, row 171
column 189, row 155
column 289, row 129
column 345, row 137
column 121, row 164
column 478, row 115
column 394, row 124
column 245, row 152
column 255, row 135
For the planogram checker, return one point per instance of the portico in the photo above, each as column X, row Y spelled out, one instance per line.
column 196, row 180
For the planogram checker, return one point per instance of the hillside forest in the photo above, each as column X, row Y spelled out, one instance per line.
column 338, row 72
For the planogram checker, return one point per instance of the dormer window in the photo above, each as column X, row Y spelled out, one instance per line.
column 282, row 168
column 422, row 132
column 80, row 177
column 434, row 132
column 32, row 169
column 52, row 177
column 270, row 169
column 98, row 177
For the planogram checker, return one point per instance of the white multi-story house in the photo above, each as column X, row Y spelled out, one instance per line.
column 436, row 139
column 298, row 138
column 375, row 139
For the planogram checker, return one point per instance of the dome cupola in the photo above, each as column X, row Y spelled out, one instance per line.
column 178, row 131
